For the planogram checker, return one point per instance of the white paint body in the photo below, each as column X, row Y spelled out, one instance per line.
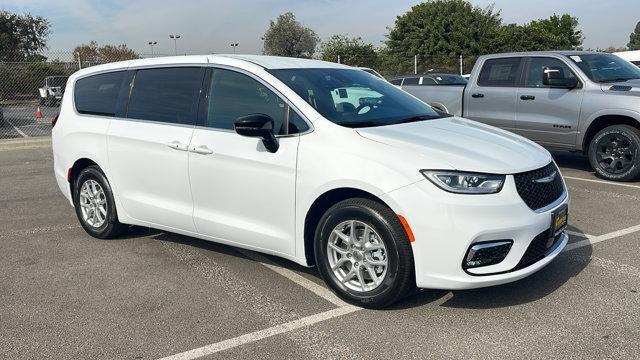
column 244, row 196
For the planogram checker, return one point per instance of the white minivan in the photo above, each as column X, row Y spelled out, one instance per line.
column 316, row 162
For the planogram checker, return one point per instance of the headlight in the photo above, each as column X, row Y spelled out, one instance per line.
column 465, row 183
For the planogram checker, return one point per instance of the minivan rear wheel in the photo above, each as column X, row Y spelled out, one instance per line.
column 614, row 153
column 363, row 253
column 94, row 204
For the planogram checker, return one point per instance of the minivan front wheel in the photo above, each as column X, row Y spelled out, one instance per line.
column 363, row 253
column 613, row 153
column 94, row 204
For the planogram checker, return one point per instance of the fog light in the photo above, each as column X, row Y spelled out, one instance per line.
column 487, row 253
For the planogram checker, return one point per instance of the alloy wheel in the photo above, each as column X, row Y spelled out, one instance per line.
column 93, row 203
column 357, row 256
column 616, row 153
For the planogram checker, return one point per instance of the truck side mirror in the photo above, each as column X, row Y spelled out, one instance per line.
column 554, row 76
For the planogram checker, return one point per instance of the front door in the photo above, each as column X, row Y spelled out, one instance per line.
column 544, row 114
column 243, row 193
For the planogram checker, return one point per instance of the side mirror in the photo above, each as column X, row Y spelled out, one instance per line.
column 260, row 126
column 554, row 76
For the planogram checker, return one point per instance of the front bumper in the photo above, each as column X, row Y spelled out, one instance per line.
column 445, row 225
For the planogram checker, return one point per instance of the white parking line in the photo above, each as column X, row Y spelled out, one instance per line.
column 319, row 290
column 590, row 240
column 602, row 182
column 262, row 334
column 16, row 129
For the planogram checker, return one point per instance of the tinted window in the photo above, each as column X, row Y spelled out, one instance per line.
column 428, row 81
column 166, row 95
column 500, row 72
column 636, row 63
column 536, row 70
column 98, row 94
column 411, row 81
column 396, row 81
column 233, row 95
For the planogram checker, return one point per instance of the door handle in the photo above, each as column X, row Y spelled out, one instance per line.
column 202, row 150
column 527, row 97
column 477, row 95
column 177, row 145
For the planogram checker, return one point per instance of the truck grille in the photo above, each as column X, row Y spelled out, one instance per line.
column 538, row 188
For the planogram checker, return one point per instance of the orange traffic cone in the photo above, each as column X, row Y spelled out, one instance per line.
column 38, row 113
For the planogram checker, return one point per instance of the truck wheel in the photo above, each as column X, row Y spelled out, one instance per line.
column 614, row 153
column 363, row 253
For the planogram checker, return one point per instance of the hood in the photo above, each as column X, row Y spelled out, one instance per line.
column 464, row 144
column 629, row 87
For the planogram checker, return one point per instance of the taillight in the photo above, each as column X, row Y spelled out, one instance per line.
column 54, row 120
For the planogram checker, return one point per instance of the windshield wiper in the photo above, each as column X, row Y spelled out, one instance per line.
column 420, row 118
column 360, row 124
column 617, row 80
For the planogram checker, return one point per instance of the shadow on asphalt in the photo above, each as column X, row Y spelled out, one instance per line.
column 572, row 160
column 529, row 289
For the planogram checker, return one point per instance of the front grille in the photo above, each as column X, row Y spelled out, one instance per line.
column 538, row 194
column 537, row 249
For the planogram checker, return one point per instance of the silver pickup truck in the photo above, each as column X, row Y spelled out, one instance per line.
column 572, row 100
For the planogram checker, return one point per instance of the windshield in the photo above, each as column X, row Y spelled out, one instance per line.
column 604, row 68
column 448, row 79
column 354, row 98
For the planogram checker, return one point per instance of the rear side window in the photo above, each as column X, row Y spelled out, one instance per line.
column 98, row 94
column 411, row 81
column 428, row 81
column 166, row 95
column 233, row 95
column 500, row 72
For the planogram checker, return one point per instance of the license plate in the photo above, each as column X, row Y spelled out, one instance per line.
column 559, row 219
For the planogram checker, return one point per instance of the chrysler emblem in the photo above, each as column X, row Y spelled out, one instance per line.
column 546, row 179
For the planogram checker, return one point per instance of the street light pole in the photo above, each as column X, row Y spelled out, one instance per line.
column 152, row 43
column 175, row 42
column 234, row 46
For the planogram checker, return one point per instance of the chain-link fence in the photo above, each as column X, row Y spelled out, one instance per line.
column 30, row 90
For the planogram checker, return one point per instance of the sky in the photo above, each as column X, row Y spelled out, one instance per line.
column 210, row 26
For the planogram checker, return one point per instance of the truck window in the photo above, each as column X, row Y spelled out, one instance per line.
column 396, row 81
column 502, row 72
column 411, row 81
column 428, row 81
column 536, row 70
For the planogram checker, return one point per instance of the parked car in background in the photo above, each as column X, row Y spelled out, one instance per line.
column 52, row 91
column 631, row 56
column 571, row 100
column 372, row 72
column 430, row 79
column 316, row 162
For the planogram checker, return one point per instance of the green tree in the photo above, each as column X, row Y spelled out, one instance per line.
column 352, row 51
column 92, row 53
column 554, row 33
column 634, row 38
column 287, row 37
column 22, row 36
column 444, row 27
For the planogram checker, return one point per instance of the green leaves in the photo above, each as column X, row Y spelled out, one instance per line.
column 634, row 39
column 352, row 51
column 22, row 36
column 287, row 37
column 455, row 27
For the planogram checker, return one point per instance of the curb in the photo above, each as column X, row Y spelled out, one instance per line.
column 25, row 143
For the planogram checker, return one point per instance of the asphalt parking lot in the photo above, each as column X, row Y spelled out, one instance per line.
column 20, row 120
column 152, row 294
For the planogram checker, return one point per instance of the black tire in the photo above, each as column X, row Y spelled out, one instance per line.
column 614, row 153
column 399, row 279
column 111, row 226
